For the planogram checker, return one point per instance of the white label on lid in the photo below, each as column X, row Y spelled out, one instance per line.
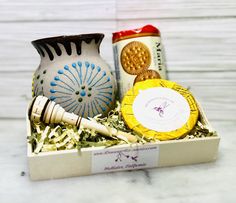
column 161, row 109
column 125, row 158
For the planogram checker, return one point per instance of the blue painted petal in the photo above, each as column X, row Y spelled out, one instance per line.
column 56, row 78
column 98, row 69
column 92, row 66
column 83, row 93
column 104, row 73
column 74, row 65
column 103, row 109
column 79, row 63
column 108, row 79
column 66, row 67
column 60, row 72
column 52, row 98
column 53, row 83
column 53, row 91
column 86, row 64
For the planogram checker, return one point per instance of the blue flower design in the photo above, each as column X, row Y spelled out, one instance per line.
column 83, row 88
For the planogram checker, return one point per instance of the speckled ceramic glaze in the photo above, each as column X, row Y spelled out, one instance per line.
column 73, row 74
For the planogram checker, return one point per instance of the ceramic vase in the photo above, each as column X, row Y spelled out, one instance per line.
column 73, row 74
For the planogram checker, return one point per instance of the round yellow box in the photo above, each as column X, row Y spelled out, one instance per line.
column 134, row 124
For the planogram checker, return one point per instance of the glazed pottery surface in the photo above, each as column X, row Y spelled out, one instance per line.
column 73, row 74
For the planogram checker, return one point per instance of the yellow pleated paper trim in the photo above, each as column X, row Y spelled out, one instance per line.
column 131, row 121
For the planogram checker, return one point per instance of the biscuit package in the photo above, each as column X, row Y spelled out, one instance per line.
column 138, row 56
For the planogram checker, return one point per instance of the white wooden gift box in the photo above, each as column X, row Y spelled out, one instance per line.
column 68, row 163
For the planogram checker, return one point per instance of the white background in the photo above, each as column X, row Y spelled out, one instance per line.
column 199, row 37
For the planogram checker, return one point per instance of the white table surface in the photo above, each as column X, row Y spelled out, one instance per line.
column 209, row 182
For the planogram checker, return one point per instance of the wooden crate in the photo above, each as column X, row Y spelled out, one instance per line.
column 68, row 163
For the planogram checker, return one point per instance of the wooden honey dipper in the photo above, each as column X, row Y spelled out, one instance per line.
column 47, row 111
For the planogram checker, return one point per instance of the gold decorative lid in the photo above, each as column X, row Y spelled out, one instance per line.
column 159, row 109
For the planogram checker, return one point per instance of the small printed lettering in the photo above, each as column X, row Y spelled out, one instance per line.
column 125, row 158
column 107, row 168
column 158, row 49
column 135, row 165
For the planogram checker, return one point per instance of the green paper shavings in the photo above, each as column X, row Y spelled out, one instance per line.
column 200, row 131
column 45, row 138
column 113, row 120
